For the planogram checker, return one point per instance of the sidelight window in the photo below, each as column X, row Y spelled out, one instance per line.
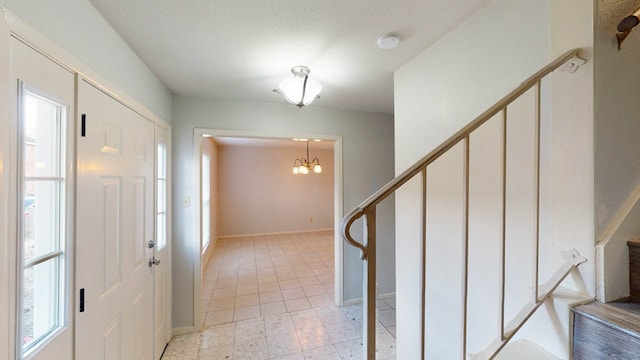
column 161, row 211
column 42, row 231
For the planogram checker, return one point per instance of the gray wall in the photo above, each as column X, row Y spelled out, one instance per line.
column 76, row 26
column 617, row 111
column 367, row 162
column 617, row 164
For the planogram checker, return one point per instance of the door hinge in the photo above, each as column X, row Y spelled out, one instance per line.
column 83, row 126
column 82, row 300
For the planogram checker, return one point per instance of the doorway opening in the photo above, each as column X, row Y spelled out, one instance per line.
column 254, row 211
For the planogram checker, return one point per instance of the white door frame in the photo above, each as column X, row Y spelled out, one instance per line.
column 33, row 76
column 163, row 135
column 337, row 205
column 7, row 203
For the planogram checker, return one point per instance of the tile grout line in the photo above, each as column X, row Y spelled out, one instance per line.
column 285, row 255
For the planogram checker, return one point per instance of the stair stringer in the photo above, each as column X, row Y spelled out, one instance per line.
column 551, row 327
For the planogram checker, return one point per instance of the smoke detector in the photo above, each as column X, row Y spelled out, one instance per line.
column 388, row 41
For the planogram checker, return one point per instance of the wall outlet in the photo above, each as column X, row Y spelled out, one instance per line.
column 186, row 201
column 310, row 219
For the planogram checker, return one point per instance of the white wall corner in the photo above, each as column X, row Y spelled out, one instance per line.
column 600, row 288
column 612, row 255
column 183, row 330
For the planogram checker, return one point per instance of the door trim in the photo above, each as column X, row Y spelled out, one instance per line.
column 7, row 202
column 163, row 132
column 337, row 206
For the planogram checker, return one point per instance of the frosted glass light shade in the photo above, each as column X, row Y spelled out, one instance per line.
column 292, row 89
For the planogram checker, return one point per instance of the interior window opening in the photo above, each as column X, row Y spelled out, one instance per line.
column 206, row 201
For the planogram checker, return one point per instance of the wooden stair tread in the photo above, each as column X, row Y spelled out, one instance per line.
column 625, row 318
column 633, row 307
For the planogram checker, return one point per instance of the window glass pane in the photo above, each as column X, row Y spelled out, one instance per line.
column 162, row 230
column 162, row 161
column 162, row 196
column 40, row 294
column 41, row 218
column 41, row 144
column 161, row 223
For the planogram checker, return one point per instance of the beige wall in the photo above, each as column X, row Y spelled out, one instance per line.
column 258, row 193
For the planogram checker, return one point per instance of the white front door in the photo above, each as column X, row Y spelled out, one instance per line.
column 115, row 222
column 162, row 284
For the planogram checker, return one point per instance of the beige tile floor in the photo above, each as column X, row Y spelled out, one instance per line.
column 271, row 297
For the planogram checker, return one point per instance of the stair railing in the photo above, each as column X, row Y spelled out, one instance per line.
column 569, row 61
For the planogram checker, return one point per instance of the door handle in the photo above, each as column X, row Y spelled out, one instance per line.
column 154, row 261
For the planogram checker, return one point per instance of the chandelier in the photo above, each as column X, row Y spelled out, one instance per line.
column 299, row 90
column 303, row 166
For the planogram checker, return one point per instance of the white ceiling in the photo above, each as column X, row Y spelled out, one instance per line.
column 242, row 49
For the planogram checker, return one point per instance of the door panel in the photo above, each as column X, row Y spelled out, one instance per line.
column 114, row 224
column 109, row 258
column 111, row 339
column 139, row 201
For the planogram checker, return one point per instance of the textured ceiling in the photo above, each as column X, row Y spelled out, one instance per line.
column 241, row 49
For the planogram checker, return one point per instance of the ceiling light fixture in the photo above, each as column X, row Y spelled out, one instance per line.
column 388, row 41
column 303, row 166
column 300, row 90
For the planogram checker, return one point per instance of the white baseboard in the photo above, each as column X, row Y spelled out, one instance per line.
column 183, row 330
column 387, row 296
column 352, row 302
column 274, row 233
column 384, row 296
